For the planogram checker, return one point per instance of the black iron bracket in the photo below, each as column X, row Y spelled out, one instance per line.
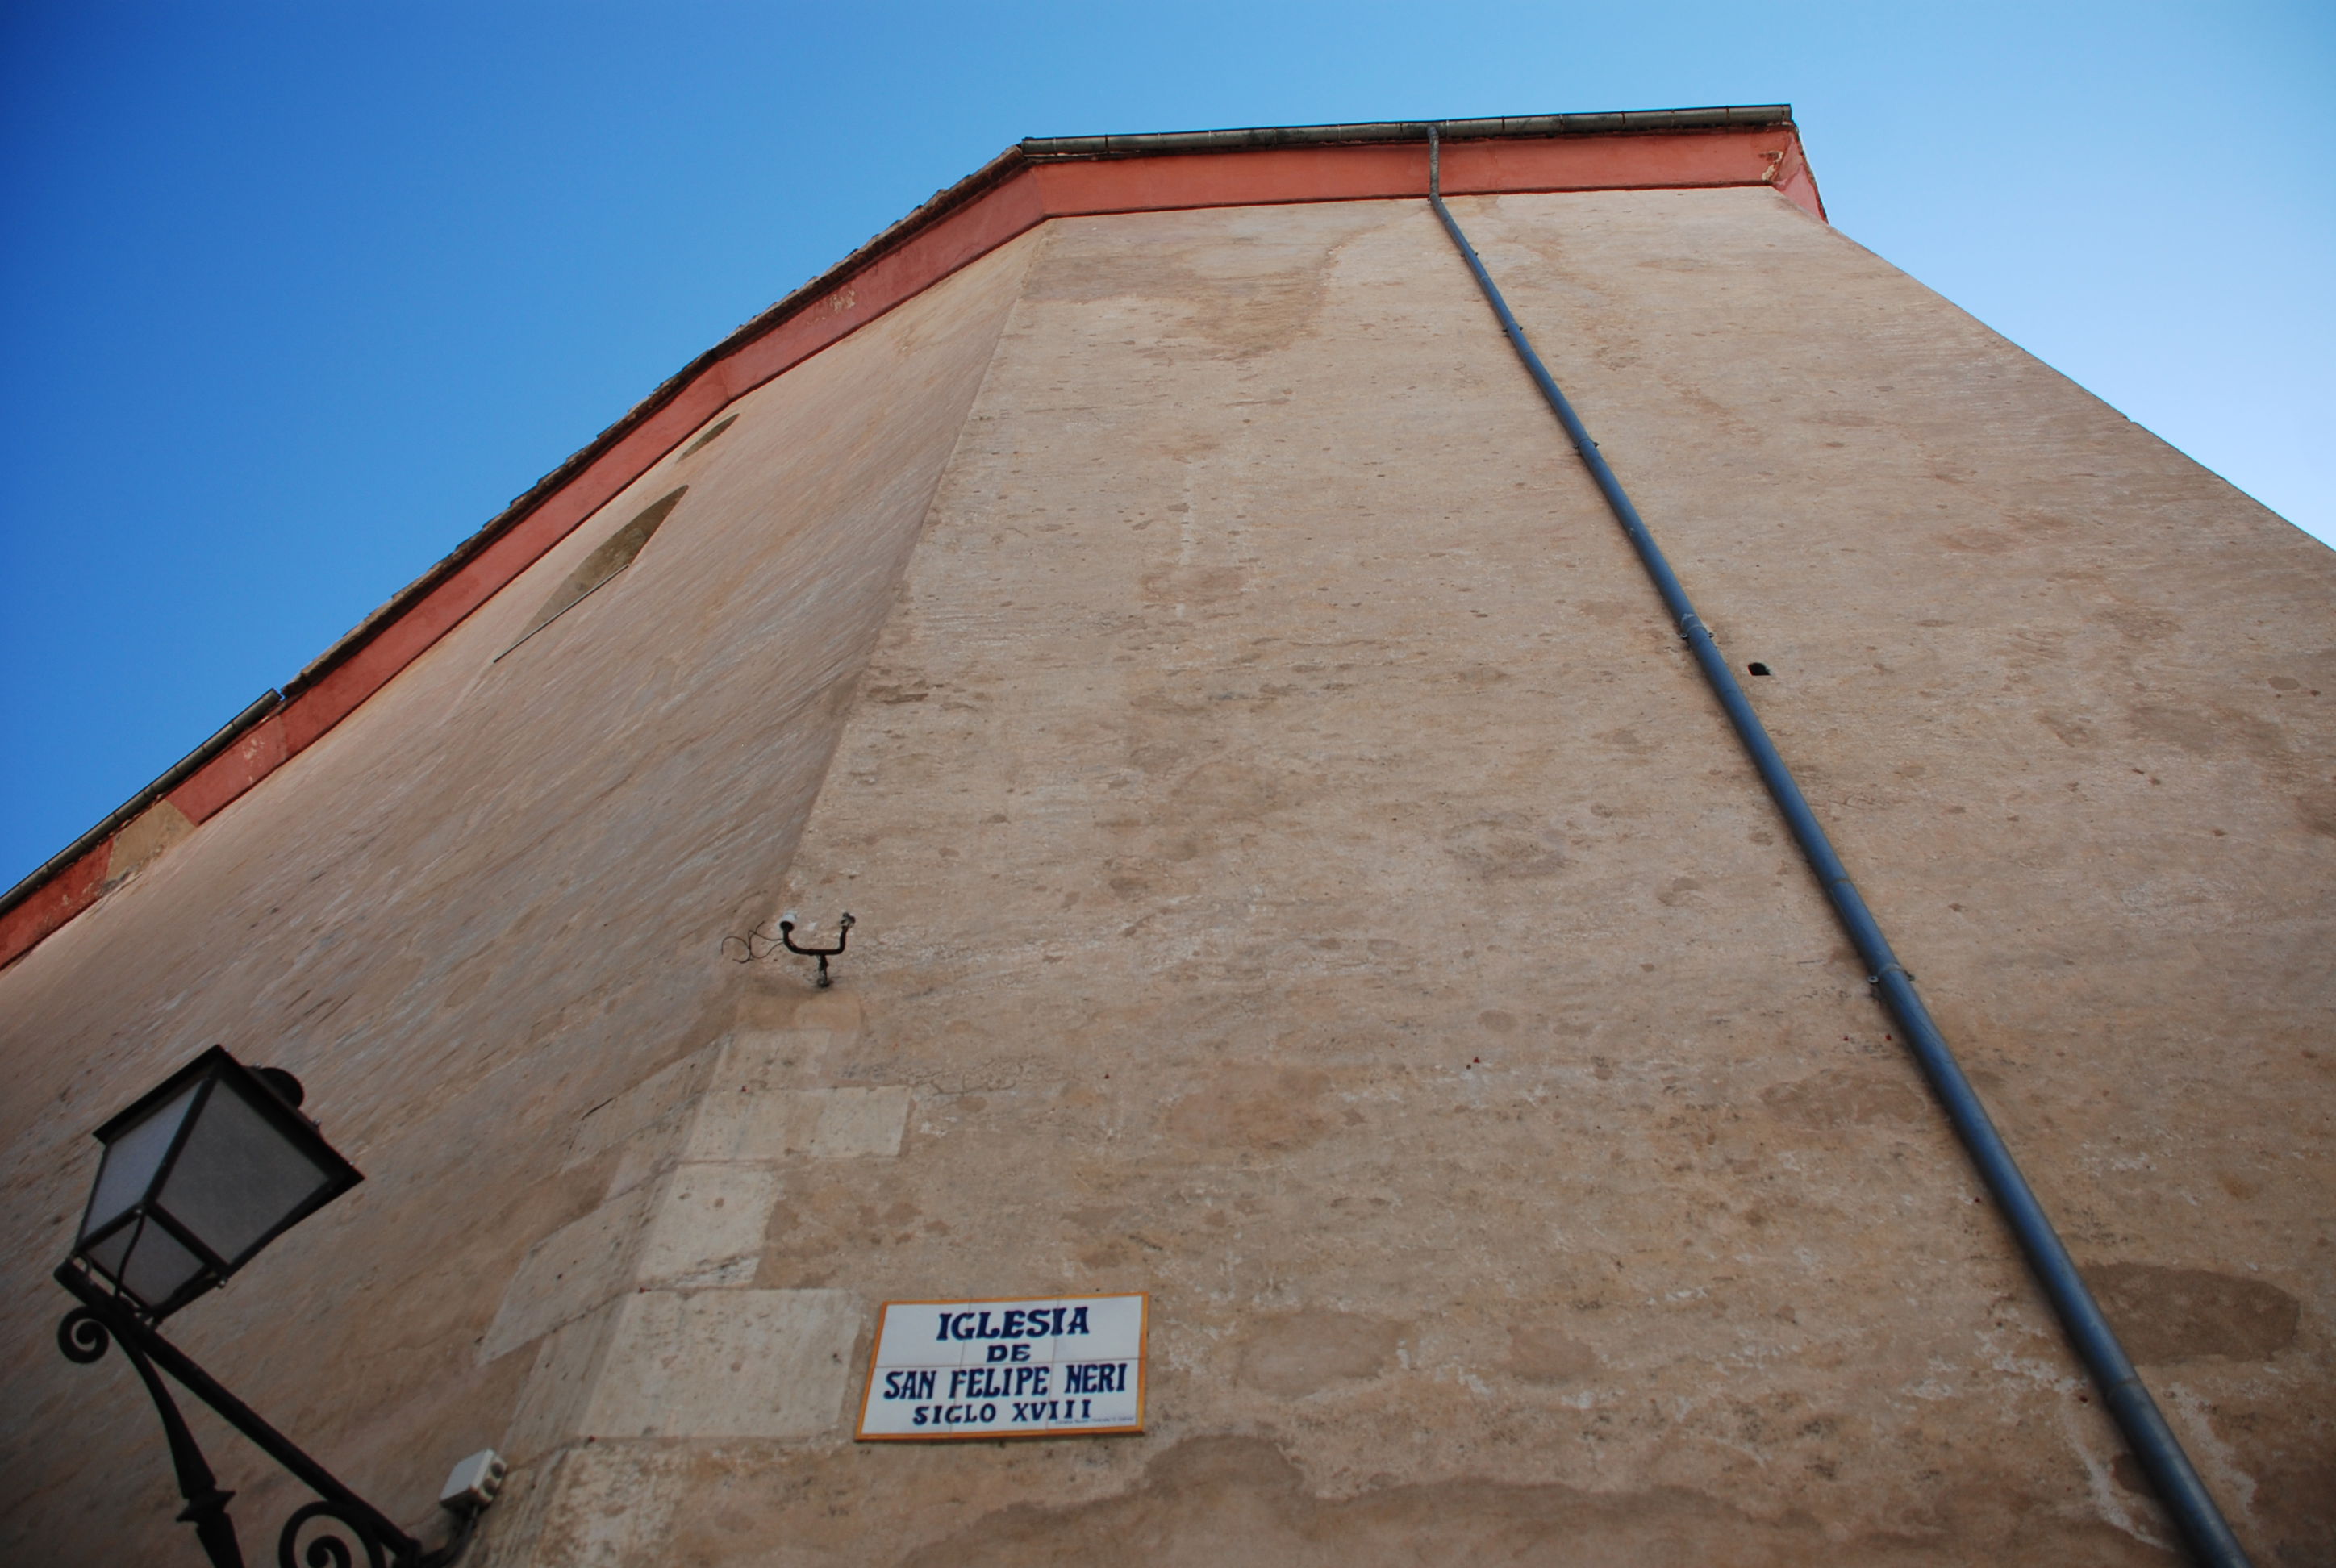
column 102, row 1318
column 842, row 935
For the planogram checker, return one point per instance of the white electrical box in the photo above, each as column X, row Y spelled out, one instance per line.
column 474, row 1482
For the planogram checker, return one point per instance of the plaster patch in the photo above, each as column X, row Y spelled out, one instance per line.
column 650, row 1152
column 726, row 1364
column 857, row 1123
column 644, row 1105
column 568, row 1272
column 600, row 1507
column 146, row 839
column 707, row 1218
column 1308, row 1351
column 767, row 1060
column 823, row 1124
column 558, row 1387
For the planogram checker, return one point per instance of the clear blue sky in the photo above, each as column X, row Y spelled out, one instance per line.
column 296, row 296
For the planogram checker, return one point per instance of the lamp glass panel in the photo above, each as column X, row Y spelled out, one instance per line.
column 238, row 1175
column 158, row 1265
column 108, row 1254
column 131, row 1160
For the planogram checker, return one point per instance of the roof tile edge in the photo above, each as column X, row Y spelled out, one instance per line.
column 1603, row 123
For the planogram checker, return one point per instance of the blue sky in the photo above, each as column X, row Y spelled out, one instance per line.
column 294, row 298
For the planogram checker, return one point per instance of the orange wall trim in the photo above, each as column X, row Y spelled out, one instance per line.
column 1015, row 197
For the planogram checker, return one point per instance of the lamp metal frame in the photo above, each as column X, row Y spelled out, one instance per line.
column 104, row 1318
column 346, row 1529
column 208, row 1073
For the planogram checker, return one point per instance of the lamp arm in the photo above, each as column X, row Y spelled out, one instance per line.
column 83, row 1337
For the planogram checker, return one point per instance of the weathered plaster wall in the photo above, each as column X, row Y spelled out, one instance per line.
column 1300, row 876
column 490, row 901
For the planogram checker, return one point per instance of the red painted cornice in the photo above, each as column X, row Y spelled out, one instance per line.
column 1009, row 197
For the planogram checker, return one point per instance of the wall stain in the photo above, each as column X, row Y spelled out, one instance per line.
column 1218, row 1501
column 2222, row 733
column 1540, row 1354
column 1243, row 293
column 1252, row 1107
column 1506, row 844
column 1839, row 1098
column 2166, row 1314
column 1305, row 1352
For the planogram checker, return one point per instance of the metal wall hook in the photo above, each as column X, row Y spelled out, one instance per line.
column 842, row 935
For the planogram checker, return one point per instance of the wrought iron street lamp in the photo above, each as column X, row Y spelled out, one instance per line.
column 198, row 1176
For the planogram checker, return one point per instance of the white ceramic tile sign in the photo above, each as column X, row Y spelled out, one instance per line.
column 1051, row 1367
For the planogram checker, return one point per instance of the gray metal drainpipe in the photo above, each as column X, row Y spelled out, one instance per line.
column 2137, row 1413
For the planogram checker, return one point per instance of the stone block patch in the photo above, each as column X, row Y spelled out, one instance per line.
column 570, row 1273
column 726, row 1363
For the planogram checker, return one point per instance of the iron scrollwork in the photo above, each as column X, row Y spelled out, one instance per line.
column 327, row 1549
column 346, row 1527
column 81, row 1336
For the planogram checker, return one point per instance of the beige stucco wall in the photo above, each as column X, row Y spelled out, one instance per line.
column 1299, row 876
